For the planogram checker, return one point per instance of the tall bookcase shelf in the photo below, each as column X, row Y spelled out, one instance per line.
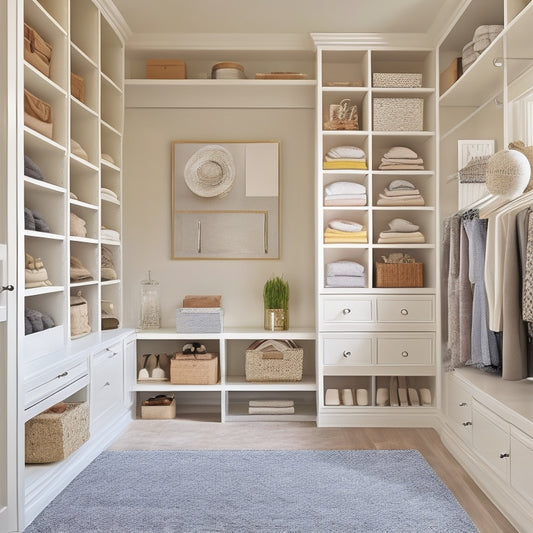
column 370, row 334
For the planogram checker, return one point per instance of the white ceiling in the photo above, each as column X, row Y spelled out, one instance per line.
column 283, row 16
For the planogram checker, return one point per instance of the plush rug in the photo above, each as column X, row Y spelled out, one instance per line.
column 255, row 491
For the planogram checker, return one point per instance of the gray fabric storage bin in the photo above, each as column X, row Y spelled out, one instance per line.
column 199, row 319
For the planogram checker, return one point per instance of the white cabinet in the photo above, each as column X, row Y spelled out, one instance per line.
column 368, row 333
column 522, row 463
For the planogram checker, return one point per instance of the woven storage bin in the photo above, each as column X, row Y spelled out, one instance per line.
column 37, row 51
column 188, row 369
column 77, row 87
column 399, row 274
column 53, row 437
column 398, row 114
column 159, row 412
column 274, row 366
column 396, row 79
column 199, row 319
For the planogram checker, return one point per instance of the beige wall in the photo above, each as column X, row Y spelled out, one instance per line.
column 147, row 213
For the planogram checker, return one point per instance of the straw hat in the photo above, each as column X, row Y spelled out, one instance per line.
column 508, row 173
column 210, row 171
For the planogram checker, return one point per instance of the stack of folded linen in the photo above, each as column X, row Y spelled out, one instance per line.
column 345, row 231
column 401, row 232
column 109, row 195
column 31, row 169
column 483, row 36
column 109, row 234
column 400, row 192
column 401, row 158
column 107, row 266
column 345, row 274
column 271, row 407
column 345, row 157
column 344, row 193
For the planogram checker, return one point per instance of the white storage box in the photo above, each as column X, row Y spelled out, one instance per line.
column 398, row 114
column 199, row 319
column 396, row 79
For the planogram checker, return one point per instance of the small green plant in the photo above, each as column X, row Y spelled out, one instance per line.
column 276, row 293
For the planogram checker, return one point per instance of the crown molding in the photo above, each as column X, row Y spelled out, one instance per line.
column 373, row 40
column 115, row 18
column 220, row 41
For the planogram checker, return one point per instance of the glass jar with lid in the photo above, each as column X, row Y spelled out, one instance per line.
column 150, row 304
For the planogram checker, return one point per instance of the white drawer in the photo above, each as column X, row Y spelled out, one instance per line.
column 408, row 350
column 107, row 378
column 344, row 313
column 522, row 463
column 459, row 409
column 53, row 382
column 349, row 351
column 407, row 310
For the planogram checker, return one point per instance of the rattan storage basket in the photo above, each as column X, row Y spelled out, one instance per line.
column 399, row 275
column 396, row 79
column 190, row 369
column 398, row 114
column 274, row 366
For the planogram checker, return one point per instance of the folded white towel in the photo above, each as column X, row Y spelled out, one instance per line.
column 346, row 152
column 345, row 281
column 468, row 48
column 401, row 152
column 400, row 224
column 400, row 184
column 76, row 149
column 271, row 403
column 345, row 225
column 110, row 234
column 345, row 187
column 344, row 268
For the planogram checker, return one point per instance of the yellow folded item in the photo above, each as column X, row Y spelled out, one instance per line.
column 345, row 164
column 339, row 233
column 337, row 240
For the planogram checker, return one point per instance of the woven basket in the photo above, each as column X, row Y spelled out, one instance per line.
column 399, row 274
column 396, row 79
column 188, row 369
column 274, row 366
column 398, row 114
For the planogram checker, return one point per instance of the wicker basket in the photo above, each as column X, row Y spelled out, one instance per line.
column 274, row 366
column 190, row 369
column 396, row 79
column 399, row 275
column 398, row 114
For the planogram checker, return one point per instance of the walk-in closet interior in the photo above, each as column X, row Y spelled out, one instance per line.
column 382, row 167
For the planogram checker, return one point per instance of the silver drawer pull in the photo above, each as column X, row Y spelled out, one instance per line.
column 62, row 375
column 112, row 353
column 404, row 312
column 503, row 455
column 465, row 424
column 346, row 354
column 405, row 354
column 346, row 311
column 462, row 404
column 106, row 384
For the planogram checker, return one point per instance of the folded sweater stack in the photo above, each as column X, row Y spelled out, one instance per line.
column 400, row 192
column 345, row 274
column 401, row 232
column 345, row 158
column 401, row 158
column 344, row 193
column 32, row 170
column 271, row 407
column 483, row 36
column 345, row 231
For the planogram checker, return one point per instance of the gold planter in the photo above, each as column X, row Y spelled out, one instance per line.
column 276, row 319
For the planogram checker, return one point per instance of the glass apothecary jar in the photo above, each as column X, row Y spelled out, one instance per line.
column 150, row 304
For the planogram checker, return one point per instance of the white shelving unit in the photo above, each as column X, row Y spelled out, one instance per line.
column 361, row 329
column 229, row 397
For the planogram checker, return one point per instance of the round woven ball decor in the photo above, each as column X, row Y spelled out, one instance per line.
column 508, row 173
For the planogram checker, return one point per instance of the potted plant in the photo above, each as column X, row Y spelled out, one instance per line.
column 276, row 303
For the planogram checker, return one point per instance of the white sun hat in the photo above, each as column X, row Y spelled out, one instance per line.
column 210, row 171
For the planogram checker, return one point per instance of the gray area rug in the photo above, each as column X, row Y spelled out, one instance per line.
column 255, row 491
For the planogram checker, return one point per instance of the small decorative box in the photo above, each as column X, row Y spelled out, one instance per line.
column 166, row 69
column 396, row 79
column 398, row 114
column 199, row 319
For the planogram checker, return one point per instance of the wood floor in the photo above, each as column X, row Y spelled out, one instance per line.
column 208, row 434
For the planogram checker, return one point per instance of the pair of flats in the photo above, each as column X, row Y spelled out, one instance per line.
column 149, row 372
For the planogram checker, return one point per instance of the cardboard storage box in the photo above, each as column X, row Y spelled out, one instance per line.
column 166, row 69
column 77, row 87
column 194, row 369
column 399, row 275
column 52, row 437
column 450, row 75
column 396, row 79
column 398, row 114
column 199, row 319
column 159, row 412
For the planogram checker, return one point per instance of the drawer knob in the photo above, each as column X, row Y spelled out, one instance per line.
column 462, row 404
column 404, row 312
column 112, row 352
column 465, row 424
column 346, row 311
column 346, row 353
column 62, row 375
column 9, row 288
column 405, row 354
column 503, row 455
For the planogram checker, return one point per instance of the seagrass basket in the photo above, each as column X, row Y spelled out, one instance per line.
column 391, row 275
column 275, row 365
